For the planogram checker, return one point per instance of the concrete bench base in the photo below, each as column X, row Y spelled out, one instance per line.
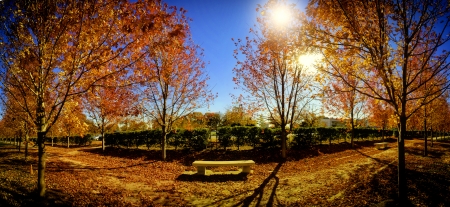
column 381, row 145
column 201, row 165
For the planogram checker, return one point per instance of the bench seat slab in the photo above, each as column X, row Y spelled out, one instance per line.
column 381, row 145
column 224, row 163
column 201, row 165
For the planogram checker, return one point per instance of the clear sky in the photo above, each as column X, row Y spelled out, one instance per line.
column 214, row 23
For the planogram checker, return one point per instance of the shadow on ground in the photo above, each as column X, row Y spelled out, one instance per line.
column 259, row 155
column 258, row 192
column 213, row 178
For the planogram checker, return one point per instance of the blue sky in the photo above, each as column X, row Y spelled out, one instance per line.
column 214, row 23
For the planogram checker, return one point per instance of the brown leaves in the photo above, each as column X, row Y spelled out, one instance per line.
column 335, row 175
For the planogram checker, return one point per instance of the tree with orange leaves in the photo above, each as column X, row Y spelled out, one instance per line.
column 106, row 105
column 381, row 115
column 344, row 101
column 174, row 80
column 55, row 49
column 386, row 36
column 72, row 120
column 16, row 119
column 270, row 71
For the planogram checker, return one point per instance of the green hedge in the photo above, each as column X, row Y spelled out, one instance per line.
column 311, row 136
column 73, row 140
column 196, row 139
column 224, row 136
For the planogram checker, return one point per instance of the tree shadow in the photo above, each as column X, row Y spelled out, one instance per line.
column 427, row 186
column 430, row 185
column 376, row 159
column 62, row 166
column 259, row 155
column 316, row 150
column 155, row 155
column 213, row 178
column 418, row 150
column 259, row 192
column 19, row 196
column 443, row 143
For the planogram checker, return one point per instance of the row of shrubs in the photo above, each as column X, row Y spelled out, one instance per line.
column 299, row 137
column 73, row 140
column 196, row 139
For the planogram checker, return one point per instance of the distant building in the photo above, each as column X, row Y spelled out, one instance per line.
column 331, row 122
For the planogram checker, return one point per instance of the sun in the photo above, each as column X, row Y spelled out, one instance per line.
column 309, row 61
column 281, row 15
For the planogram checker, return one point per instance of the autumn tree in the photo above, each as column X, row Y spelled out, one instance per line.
column 237, row 115
column 132, row 123
column 72, row 120
column 177, row 85
column 268, row 66
column 386, row 36
column 212, row 120
column 262, row 121
column 343, row 101
column 381, row 115
column 55, row 49
column 17, row 120
column 434, row 113
column 106, row 105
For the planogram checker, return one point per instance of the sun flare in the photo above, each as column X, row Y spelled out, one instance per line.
column 281, row 15
column 309, row 61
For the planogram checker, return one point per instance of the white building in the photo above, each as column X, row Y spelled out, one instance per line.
column 331, row 122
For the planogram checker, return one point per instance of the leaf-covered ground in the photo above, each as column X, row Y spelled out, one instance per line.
column 335, row 175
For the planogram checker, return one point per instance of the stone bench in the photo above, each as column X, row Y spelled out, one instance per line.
column 201, row 165
column 381, row 145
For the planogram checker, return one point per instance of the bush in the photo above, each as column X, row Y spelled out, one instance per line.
column 86, row 140
column 224, row 136
column 304, row 136
column 268, row 138
column 239, row 132
column 152, row 137
column 176, row 139
column 253, row 135
column 199, row 139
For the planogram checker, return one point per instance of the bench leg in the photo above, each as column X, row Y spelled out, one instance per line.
column 246, row 169
column 201, row 170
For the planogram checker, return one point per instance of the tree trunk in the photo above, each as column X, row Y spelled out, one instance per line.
column 41, row 130
column 425, row 150
column 41, row 164
column 163, row 143
column 26, row 144
column 283, row 141
column 103, row 141
column 353, row 129
column 68, row 144
column 431, row 134
column 402, row 188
